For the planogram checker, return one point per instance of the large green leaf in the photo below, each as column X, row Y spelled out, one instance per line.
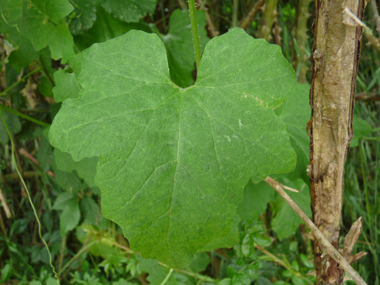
column 174, row 162
column 179, row 45
column 129, row 10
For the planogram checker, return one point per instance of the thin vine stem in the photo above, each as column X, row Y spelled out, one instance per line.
column 10, row 110
column 18, row 82
column 29, row 197
column 194, row 29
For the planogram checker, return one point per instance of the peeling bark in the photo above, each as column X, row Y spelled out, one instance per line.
column 334, row 60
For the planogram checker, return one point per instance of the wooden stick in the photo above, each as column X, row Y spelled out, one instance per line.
column 5, row 205
column 328, row 248
column 248, row 20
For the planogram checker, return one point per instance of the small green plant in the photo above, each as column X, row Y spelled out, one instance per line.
column 121, row 130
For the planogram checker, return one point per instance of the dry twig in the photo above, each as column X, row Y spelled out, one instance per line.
column 251, row 15
column 328, row 248
column 5, row 205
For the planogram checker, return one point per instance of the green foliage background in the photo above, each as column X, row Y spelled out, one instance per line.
column 45, row 60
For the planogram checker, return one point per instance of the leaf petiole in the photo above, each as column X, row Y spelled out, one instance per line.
column 194, row 29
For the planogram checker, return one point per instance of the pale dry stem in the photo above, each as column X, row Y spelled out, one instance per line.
column 327, row 246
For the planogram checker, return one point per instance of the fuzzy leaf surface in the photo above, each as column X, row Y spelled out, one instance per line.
column 174, row 162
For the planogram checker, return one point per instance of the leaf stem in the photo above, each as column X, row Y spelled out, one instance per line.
column 21, row 80
column 194, row 275
column 235, row 14
column 194, row 29
column 10, row 110
column 29, row 197
column 167, row 276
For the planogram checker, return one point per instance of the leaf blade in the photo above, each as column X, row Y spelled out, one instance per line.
column 174, row 162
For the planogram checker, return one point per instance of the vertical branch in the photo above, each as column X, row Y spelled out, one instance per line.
column 336, row 50
column 194, row 29
column 268, row 19
column 301, row 37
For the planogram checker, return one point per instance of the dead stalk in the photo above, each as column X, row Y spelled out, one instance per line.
column 329, row 249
